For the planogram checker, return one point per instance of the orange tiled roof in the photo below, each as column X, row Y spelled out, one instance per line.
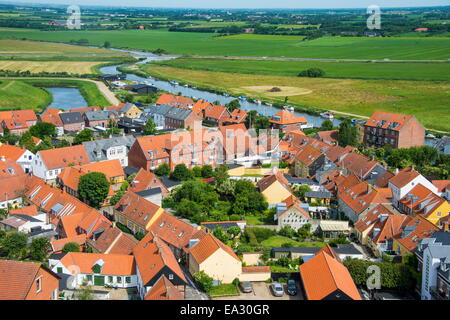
column 52, row 118
column 216, row 112
column 267, row 181
column 256, row 269
column 388, row 228
column 371, row 217
column 16, row 278
column 359, row 197
column 200, row 106
column 330, row 136
column 207, row 246
column 322, row 275
column 237, row 116
column 114, row 264
column 293, row 202
column 136, row 208
column 82, row 110
column 59, row 244
column 358, row 164
column 144, row 180
column 11, row 152
column 12, row 187
column 113, row 240
column 27, row 211
column 152, row 255
column 385, row 120
column 287, row 117
column 441, row 185
column 174, row 100
column 163, row 289
column 405, row 176
column 308, row 155
column 422, row 229
column 62, row 157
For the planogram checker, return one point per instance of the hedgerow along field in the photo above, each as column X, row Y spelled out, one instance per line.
column 359, row 70
column 251, row 44
column 427, row 100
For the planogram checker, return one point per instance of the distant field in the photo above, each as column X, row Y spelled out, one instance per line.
column 406, row 71
column 20, row 95
column 253, row 45
column 429, row 101
column 73, row 67
column 33, row 47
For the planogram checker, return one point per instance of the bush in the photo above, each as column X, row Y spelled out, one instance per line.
column 204, row 281
column 312, row 73
column 71, row 247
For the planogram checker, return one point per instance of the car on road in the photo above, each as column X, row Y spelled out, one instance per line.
column 246, row 286
column 277, row 289
column 291, row 288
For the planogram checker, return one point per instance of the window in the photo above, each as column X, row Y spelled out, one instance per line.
column 59, row 270
column 110, row 279
column 119, row 279
column 89, row 278
column 128, row 279
column 39, row 284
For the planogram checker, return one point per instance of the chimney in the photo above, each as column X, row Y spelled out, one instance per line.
column 3, row 158
column 396, row 171
column 445, row 226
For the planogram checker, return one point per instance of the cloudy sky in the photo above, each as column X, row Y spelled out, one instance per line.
column 250, row 3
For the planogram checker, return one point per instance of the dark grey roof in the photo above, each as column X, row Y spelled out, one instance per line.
column 127, row 107
column 173, row 112
column 169, row 182
column 25, row 217
column 57, row 256
column 130, row 170
column 295, row 180
column 318, row 194
column 71, row 117
column 346, row 249
column 225, row 225
column 149, row 192
column 47, row 233
column 98, row 115
column 97, row 149
column 303, row 250
column 375, row 174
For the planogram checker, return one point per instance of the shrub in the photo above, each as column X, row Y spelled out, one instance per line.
column 203, row 280
column 312, row 73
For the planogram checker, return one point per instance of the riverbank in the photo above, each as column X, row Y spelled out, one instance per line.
column 428, row 101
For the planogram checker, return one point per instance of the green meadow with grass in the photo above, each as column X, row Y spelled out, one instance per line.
column 355, row 70
column 251, row 44
column 12, row 96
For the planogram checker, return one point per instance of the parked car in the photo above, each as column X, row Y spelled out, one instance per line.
column 246, row 286
column 277, row 289
column 291, row 287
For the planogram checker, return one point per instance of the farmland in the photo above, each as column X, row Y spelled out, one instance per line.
column 408, row 48
column 363, row 70
column 70, row 67
column 427, row 100
column 12, row 96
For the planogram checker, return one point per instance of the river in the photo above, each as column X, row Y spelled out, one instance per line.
column 66, row 98
column 262, row 109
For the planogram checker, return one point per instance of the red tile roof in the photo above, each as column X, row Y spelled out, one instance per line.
column 308, row 155
column 52, row 118
column 256, row 269
column 62, row 157
column 358, row 164
column 114, row 264
column 216, row 112
column 385, row 120
column 405, row 176
column 11, row 152
column 174, row 100
column 422, row 229
column 330, row 136
column 286, row 117
column 27, row 211
column 136, row 208
column 59, row 244
column 207, row 246
column 163, row 289
column 441, row 185
column 359, row 197
column 113, row 240
column 267, row 181
column 322, row 275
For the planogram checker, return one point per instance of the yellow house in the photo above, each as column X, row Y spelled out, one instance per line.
column 215, row 258
column 275, row 188
column 131, row 111
column 137, row 213
column 437, row 210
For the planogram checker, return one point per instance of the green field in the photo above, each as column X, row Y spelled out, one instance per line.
column 12, row 96
column 252, row 45
column 429, row 101
column 358, row 70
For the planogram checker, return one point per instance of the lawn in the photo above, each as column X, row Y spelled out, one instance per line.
column 278, row 241
column 250, row 44
column 429, row 101
column 20, row 95
column 365, row 70
column 78, row 67
column 253, row 220
column 224, row 290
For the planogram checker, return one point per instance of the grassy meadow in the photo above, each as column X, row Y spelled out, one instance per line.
column 72, row 67
column 427, row 100
column 359, row 70
column 12, row 96
column 251, row 44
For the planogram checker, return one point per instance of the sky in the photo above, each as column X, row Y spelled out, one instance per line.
column 294, row 4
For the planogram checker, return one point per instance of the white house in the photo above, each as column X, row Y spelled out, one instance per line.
column 110, row 149
column 404, row 181
column 292, row 213
column 25, row 223
column 117, row 270
column 48, row 164
column 23, row 157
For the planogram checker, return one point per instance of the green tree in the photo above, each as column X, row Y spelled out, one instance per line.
column 233, row 105
column 221, row 174
column 301, row 191
column 203, row 280
column 220, row 234
column 149, row 128
column 43, row 129
column 106, row 44
column 26, row 141
column 83, row 136
column 348, row 134
column 207, row 171
column 312, row 73
column 14, row 245
column 327, row 125
column 234, row 231
column 39, row 248
column 93, row 188
column 162, row 170
column 71, row 247
column 197, row 171
column 190, row 210
column 181, row 173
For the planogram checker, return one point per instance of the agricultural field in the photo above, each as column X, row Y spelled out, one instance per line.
column 12, row 96
column 364, row 70
column 71, row 67
column 408, row 48
column 429, row 101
